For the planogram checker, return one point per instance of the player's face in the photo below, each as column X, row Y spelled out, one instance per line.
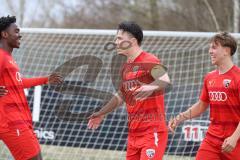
column 123, row 42
column 217, row 53
column 13, row 36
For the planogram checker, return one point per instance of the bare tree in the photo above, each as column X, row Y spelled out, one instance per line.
column 17, row 9
column 180, row 15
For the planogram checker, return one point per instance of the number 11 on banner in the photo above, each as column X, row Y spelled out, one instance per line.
column 194, row 133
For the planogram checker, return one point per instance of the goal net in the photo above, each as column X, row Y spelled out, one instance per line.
column 60, row 112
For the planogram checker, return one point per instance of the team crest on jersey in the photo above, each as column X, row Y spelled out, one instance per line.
column 226, row 83
column 150, row 153
column 135, row 68
column 211, row 83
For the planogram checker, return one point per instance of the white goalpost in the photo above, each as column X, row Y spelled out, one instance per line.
column 60, row 112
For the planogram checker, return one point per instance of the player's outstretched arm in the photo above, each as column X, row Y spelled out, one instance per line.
column 53, row 78
column 96, row 118
column 196, row 110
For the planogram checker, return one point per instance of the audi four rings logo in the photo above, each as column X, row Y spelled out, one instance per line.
column 217, row 96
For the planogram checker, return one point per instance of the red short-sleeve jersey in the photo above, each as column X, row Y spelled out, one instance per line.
column 221, row 91
column 147, row 115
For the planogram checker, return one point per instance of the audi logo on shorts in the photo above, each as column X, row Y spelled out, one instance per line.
column 217, row 96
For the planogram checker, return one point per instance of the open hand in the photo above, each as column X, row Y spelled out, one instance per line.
column 55, row 78
column 95, row 120
column 3, row 91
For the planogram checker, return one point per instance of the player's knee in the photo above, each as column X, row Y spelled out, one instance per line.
column 37, row 157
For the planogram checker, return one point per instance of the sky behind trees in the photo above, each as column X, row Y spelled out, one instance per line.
column 167, row 15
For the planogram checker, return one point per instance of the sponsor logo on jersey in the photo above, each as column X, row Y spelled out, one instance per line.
column 217, row 96
column 18, row 77
column 12, row 62
column 226, row 83
column 211, row 82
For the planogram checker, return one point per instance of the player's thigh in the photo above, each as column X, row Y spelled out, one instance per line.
column 133, row 152
column 234, row 155
column 208, row 152
column 155, row 145
column 22, row 143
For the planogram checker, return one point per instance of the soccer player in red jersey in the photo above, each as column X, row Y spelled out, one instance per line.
column 16, row 129
column 147, row 130
column 220, row 91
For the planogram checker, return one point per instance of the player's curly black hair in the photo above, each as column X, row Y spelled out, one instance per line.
column 133, row 28
column 5, row 22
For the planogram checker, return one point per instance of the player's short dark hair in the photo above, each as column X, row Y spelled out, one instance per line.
column 5, row 22
column 133, row 28
column 225, row 40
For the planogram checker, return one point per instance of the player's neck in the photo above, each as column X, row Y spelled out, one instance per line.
column 134, row 54
column 225, row 67
column 6, row 47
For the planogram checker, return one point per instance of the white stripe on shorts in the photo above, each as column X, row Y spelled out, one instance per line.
column 156, row 138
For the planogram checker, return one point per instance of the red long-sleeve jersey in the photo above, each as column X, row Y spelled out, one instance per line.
column 14, row 108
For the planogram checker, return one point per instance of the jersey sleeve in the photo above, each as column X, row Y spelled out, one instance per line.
column 30, row 82
column 157, row 61
column 2, row 62
column 154, row 60
column 150, row 58
column 238, row 88
column 204, row 93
